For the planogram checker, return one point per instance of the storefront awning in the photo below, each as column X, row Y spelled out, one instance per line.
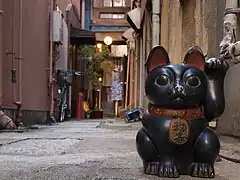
column 128, row 34
column 81, row 37
column 134, row 18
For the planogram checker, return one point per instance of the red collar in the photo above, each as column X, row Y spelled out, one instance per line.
column 187, row 114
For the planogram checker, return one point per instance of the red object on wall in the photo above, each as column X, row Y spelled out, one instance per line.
column 80, row 111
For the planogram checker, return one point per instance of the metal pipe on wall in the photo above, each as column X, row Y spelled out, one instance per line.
column 131, row 77
column 13, row 54
column 155, row 22
column 51, row 7
column 127, row 80
column 1, row 52
column 136, row 59
column 145, row 54
column 141, row 74
column 167, row 25
column 69, row 60
column 20, row 58
column 83, row 14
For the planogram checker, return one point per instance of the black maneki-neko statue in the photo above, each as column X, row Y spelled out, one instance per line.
column 175, row 139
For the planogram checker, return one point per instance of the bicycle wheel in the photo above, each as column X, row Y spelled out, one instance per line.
column 62, row 113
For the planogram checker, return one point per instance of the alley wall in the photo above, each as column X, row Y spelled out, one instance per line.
column 188, row 23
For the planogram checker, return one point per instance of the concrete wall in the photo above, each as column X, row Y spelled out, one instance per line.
column 186, row 24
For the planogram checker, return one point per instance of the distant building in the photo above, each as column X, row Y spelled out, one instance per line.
column 108, row 18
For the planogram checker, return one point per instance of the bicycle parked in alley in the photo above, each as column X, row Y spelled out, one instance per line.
column 64, row 80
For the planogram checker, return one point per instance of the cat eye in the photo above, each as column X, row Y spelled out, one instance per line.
column 162, row 80
column 193, row 81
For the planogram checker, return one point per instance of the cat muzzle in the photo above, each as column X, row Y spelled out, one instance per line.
column 179, row 89
column 178, row 93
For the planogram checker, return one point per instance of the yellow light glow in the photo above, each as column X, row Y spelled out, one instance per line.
column 100, row 79
column 108, row 40
column 99, row 45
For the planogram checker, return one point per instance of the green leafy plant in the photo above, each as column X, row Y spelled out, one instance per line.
column 94, row 60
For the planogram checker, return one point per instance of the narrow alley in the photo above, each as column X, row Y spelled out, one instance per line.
column 81, row 150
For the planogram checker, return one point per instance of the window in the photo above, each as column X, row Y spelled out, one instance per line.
column 111, row 3
column 107, row 3
column 119, row 3
column 97, row 3
column 112, row 16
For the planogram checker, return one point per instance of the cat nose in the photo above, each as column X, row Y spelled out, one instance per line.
column 179, row 88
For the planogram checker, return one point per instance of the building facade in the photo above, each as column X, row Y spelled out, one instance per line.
column 25, row 55
column 178, row 25
column 107, row 18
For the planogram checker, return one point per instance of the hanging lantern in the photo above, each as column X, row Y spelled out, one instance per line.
column 108, row 40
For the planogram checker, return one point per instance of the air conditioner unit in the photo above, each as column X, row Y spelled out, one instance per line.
column 57, row 27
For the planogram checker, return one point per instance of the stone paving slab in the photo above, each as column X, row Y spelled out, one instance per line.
column 38, row 147
column 81, row 151
column 230, row 148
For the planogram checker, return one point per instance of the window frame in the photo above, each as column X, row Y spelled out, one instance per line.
column 112, row 13
column 101, row 2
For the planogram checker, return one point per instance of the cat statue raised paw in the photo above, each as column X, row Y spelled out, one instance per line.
column 175, row 139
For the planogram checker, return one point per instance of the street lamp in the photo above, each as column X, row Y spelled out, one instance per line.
column 108, row 40
column 99, row 45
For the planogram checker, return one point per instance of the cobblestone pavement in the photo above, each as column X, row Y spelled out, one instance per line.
column 80, row 150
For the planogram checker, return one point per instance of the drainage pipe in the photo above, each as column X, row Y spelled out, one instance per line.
column 20, row 58
column 128, row 68
column 13, row 55
column 155, row 22
column 51, row 6
column 1, row 52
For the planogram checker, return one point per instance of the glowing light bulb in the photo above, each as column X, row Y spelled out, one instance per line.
column 108, row 40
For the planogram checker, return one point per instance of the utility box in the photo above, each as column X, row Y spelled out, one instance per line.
column 57, row 27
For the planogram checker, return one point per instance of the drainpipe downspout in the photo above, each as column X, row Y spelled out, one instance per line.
column 80, row 14
column 13, row 56
column 167, row 25
column 51, row 4
column 20, row 58
column 131, row 75
column 127, row 80
column 136, row 69
column 155, row 22
column 1, row 52
column 69, row 60
column 83, row 14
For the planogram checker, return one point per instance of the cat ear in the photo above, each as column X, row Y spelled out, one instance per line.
column 156, row 58
column 195, row 58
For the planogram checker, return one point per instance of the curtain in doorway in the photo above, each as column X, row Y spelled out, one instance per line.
column 116, row 87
